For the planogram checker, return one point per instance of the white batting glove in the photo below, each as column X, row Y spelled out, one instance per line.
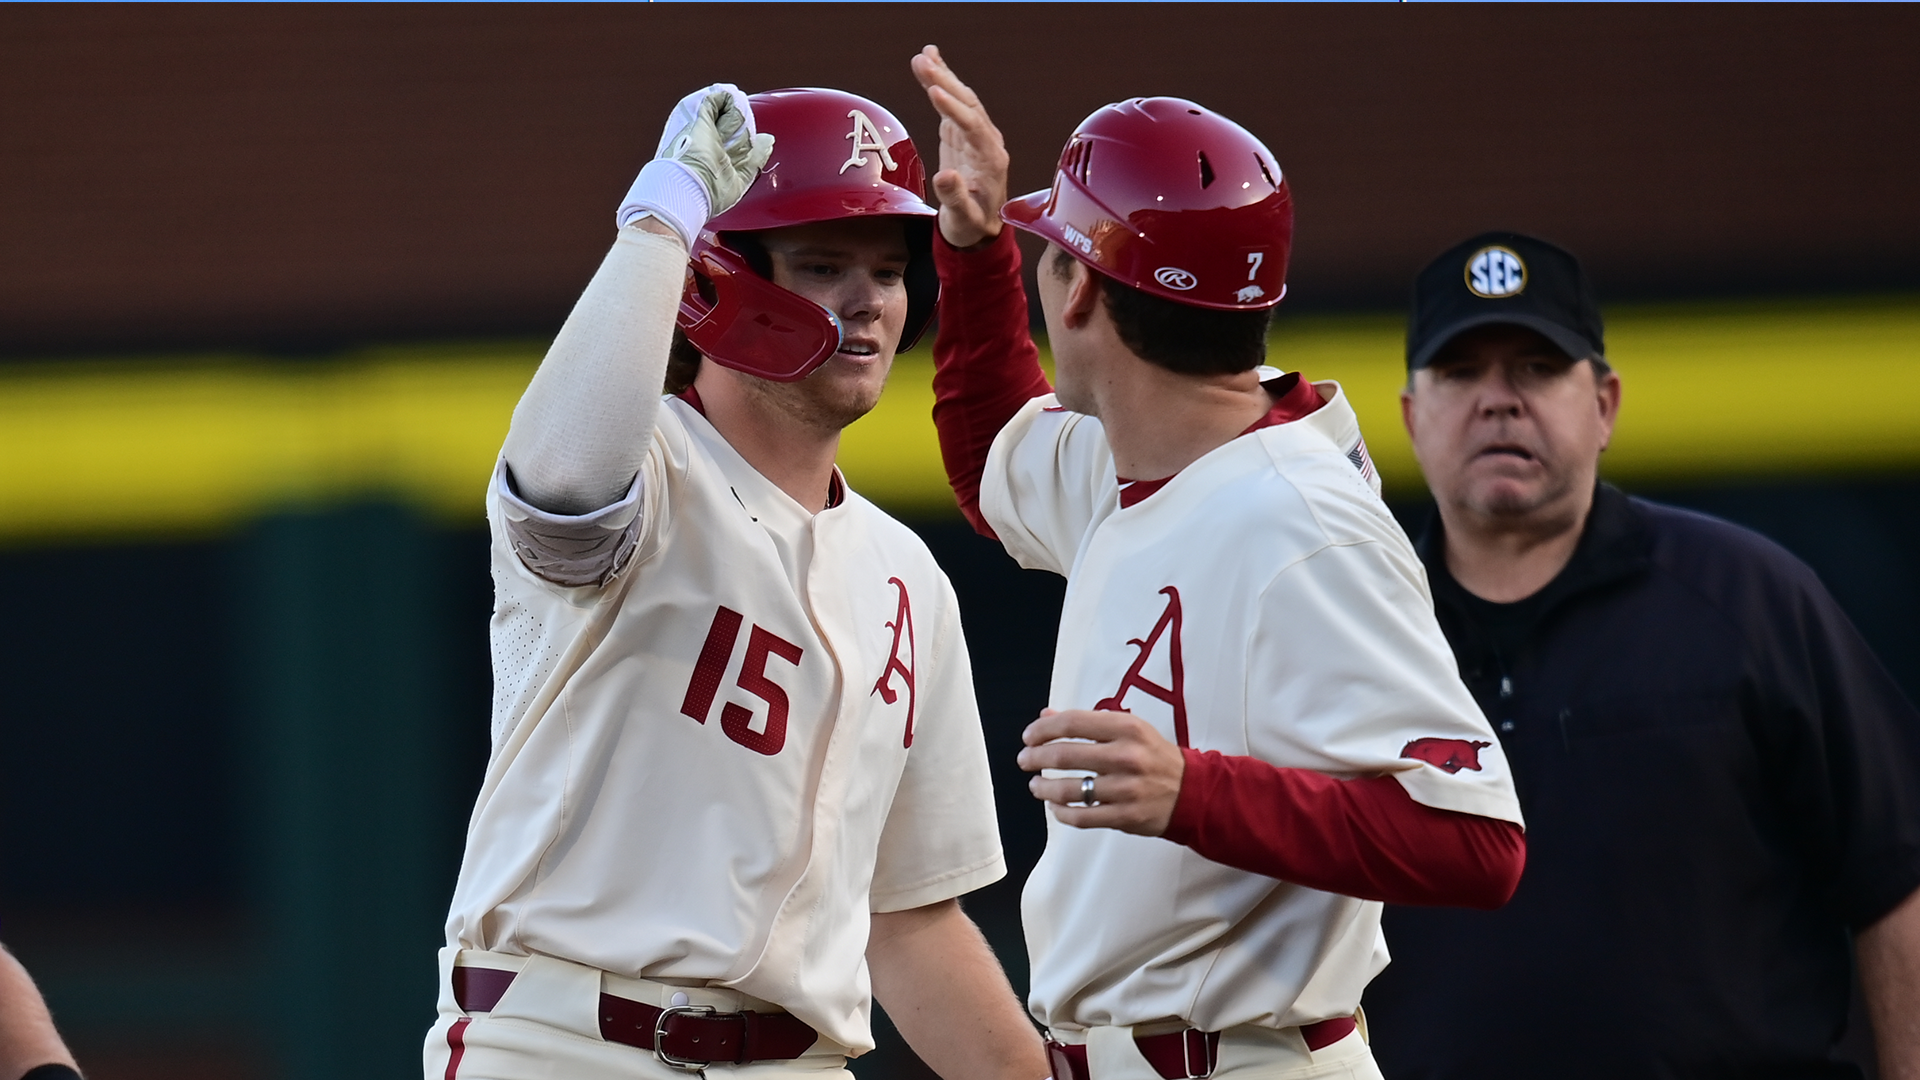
column 709, row 155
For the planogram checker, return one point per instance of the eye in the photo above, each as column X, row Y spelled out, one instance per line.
column 890, row 275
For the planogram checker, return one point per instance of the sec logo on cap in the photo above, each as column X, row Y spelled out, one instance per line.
column 1494, row 272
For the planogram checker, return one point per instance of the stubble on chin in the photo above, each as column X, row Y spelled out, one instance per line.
column 1514, row 504
column 824, row 403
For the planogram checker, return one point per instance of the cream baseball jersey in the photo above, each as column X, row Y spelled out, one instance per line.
column 713, row 764
column 1265, row 603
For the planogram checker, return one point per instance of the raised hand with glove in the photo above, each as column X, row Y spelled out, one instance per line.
column 581, row 428
column 709, row 155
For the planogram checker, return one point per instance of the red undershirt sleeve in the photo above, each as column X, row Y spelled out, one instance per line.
column 1365, row 838
column 985, row 365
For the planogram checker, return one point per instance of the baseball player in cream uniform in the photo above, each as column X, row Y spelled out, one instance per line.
column 737, row 778
column 1257, row 732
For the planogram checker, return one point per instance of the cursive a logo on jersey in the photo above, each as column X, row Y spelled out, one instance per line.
column 1451, row 755
column 902, row 627
column 866, row 137
column 1175, row 695
column 1175, row 278
column 1494, row 272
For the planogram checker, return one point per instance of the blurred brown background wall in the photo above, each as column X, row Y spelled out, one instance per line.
column 295, row 176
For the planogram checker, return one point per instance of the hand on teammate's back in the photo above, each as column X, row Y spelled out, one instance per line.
column 1137, row 772
column 972, row 181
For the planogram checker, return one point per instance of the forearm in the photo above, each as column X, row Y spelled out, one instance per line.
column 985, row 363
column 1366, row 838
column 581, row 430
column 946, row 993
column 27, row 1036
column 1889, row 956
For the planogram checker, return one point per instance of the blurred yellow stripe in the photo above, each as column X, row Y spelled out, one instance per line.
column 202, row 444
column 1711, row 390
column 153, row 446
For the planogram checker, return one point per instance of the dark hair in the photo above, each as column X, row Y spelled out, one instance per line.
column 683, row 363
column 1180, row 337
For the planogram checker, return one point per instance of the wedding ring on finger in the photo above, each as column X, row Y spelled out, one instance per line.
column 1086, row 792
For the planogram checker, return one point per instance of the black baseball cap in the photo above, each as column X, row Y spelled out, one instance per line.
column 1503, row 277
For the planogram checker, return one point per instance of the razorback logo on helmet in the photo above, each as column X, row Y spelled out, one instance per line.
column 1449, row 754
column 866, row 137
column 1494, row 272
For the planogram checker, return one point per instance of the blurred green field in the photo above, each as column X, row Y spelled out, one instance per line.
column 198, row 444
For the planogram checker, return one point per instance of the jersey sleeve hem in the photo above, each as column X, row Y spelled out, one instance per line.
column 1430, row 786
column 945, row 887
column 571, row 550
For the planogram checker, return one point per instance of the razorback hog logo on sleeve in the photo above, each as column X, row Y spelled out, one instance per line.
column 902, row 623
column 1449, row 754
column 1175, row 695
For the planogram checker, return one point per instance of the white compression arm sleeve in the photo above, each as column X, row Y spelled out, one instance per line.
column 582, row 428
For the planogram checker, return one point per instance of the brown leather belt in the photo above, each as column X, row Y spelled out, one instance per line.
column 688, row 1037
column 1188, row 1054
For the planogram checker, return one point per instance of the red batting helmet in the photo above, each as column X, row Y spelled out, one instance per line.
column 835, row 155
column 1172, row 199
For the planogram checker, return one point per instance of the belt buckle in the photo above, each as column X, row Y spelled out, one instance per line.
column 1187, row 1039
column 660, row 1037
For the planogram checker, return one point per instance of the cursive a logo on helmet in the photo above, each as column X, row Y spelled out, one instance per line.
column 1175, row 278
column 1494, row 272
column 866, row 137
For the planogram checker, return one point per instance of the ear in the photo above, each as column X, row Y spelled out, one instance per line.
column 1607, row 397
column 1083, row 297
column 1406, row 404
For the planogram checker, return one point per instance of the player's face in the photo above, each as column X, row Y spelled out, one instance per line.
column 857, row 270
column 1505, row 426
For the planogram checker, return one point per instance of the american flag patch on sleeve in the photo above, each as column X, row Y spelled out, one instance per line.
column 1358, row 455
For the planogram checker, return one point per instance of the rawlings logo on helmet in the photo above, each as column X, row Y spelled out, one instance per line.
column 1175, row 278
column 865, row 137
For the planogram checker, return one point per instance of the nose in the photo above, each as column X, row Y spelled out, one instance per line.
column 862, row 299
column 1499, row 397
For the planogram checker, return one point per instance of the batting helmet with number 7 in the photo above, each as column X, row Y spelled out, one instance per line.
column 1172, row 199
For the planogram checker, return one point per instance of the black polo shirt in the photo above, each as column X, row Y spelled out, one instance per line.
column 1721, row 783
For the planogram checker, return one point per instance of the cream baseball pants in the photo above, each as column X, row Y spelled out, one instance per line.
column 546, row 1027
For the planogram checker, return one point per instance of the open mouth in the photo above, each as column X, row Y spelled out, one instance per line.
column 859, row 350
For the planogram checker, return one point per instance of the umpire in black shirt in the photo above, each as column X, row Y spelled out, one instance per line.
column 1721, row 782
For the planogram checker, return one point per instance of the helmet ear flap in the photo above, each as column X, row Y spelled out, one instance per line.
column 740, row 319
